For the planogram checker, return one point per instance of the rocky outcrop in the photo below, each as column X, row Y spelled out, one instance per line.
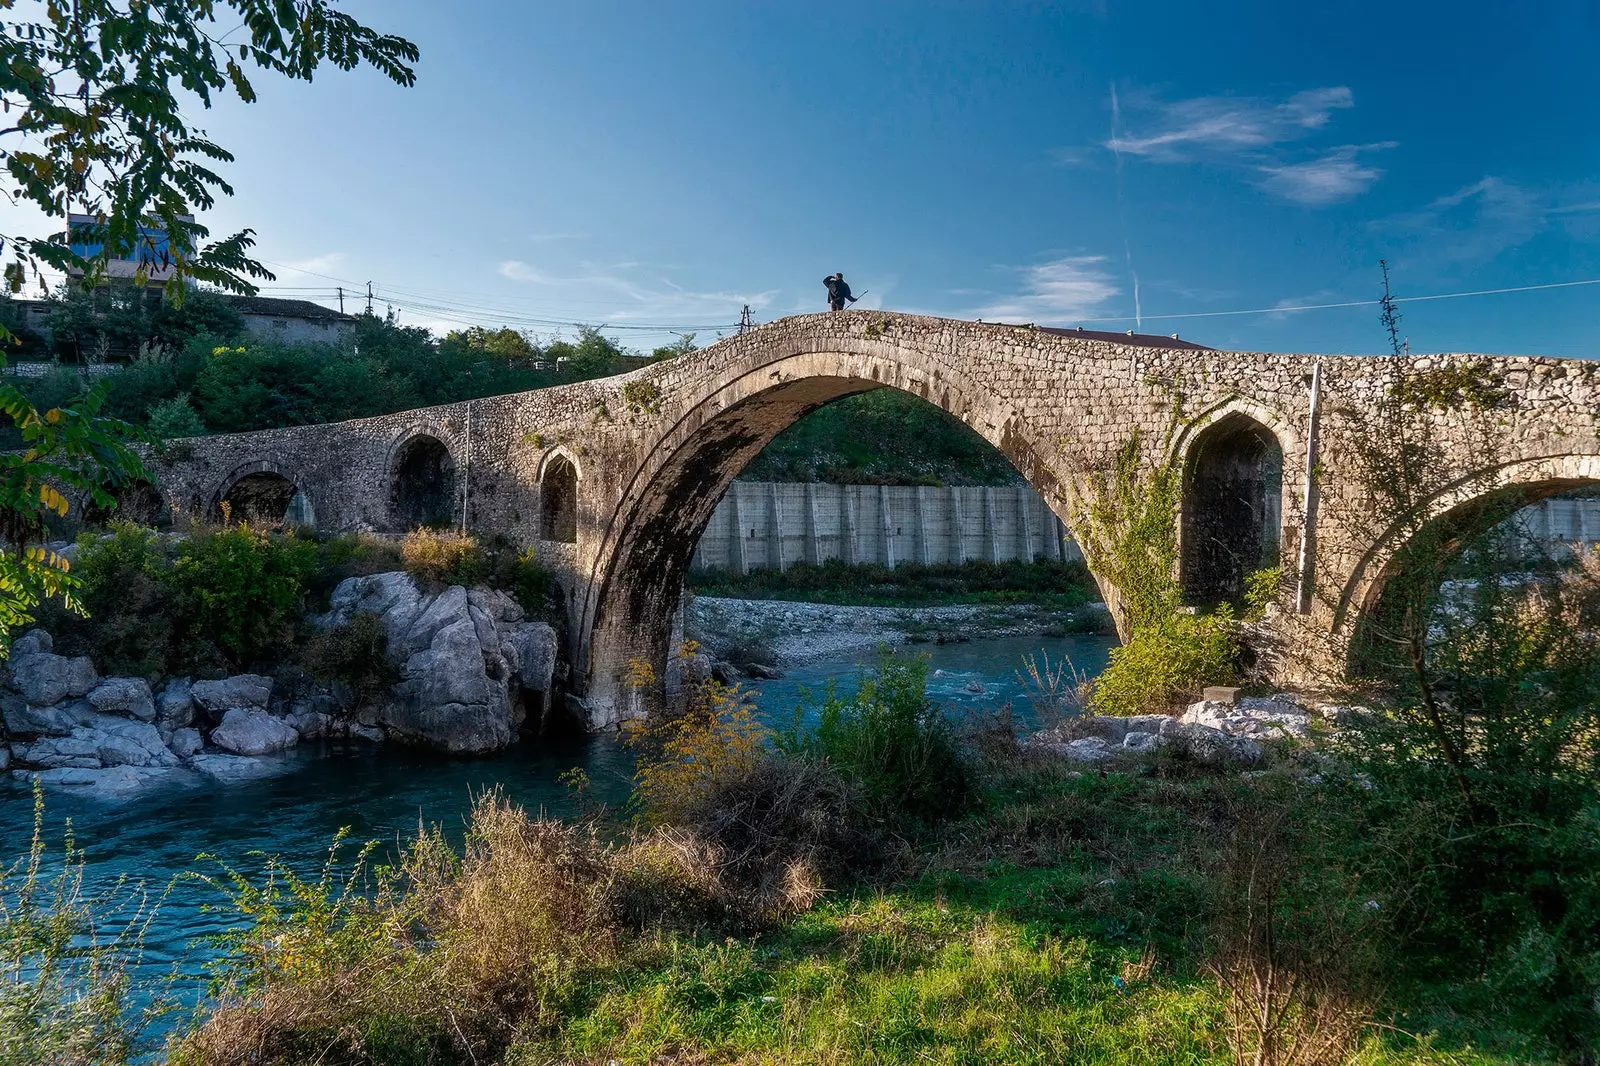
column 468, row 661
column 242, row 692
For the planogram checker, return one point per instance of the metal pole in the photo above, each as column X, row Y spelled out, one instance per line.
column 1308, row 531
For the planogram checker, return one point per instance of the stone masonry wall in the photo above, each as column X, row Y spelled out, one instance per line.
column 656, row 449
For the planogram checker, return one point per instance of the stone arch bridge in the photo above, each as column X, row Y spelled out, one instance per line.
column 615, row 479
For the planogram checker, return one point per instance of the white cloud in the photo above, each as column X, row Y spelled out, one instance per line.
column 1073, row 287
column 1332, row 178
column 1221, row 125
column 317, row 264
column 517, row 270
column 1473, row 224
column 1255, row 136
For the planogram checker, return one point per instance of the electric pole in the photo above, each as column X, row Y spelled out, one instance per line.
column 746, row 321
column 341, row 299
column 369, row 299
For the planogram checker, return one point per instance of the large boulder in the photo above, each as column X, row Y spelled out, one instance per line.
column 175, row 704
column 247, row 732
column 1255, row 717
column 45, row 678
column 463, row 658
column 31, row 643
column 242, row 692
column 128, row 696
column 230, row 768
column 24, row 720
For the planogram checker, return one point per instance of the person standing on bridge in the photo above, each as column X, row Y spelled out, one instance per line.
column 838, row 292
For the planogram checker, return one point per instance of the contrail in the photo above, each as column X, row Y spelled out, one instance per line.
column 1122, row 211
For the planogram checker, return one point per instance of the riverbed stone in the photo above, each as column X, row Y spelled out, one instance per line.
column 124, row 695
column 175, row 704
column 1139, row 741
column 313, row 724
column 45, row 678
column 25, row 720
column 120, row 742
column 186, row 742
column 31, row 643
column 1210, row 745
column 241, row 692
column 247, row 732
column 230, row 768
column 369, row 733
column 80, row 752
column 115, row 782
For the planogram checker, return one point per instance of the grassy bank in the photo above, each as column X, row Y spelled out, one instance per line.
column 1052, row 584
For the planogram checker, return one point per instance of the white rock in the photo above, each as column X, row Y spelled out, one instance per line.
column 116, row 782
column 78, row 751
column 249, row 692
column 1087, row 749
column 246, row 732
column 175, row 704
column 186, row 742
column 120, row 742
column 229, row 768
column 23, row 720
column 45, row 678
column 124, row 695
column 31, row 643
column 1140, row 741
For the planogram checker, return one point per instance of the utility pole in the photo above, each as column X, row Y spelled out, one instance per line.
column 746, row 321
column 369, row 299
column 341, row 299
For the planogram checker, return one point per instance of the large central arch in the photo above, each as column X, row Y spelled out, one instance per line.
column 645, row 550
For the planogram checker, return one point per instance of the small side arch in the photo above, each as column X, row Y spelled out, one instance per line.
column 139, row 502
column 1231, row 518
column 261, row 493
column 1531, row 480
column 422, row 481
column 558, row 497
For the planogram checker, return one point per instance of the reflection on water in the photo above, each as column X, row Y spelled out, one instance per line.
column 384, row 793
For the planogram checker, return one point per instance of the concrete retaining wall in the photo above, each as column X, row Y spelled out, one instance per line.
column 772, row 525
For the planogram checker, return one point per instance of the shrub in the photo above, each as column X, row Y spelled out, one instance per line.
column 130, row 624
column 1165, row 661
column 65, row 960
column 241, row 590
column 355, row 653
column 350, row 555
column 893, row 742
column 442, row 558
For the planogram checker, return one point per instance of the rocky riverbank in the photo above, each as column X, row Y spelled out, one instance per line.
column 783, row 633
column 470, row 668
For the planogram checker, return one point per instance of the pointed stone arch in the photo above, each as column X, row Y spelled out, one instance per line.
column 1231, row 517
column 559, row 475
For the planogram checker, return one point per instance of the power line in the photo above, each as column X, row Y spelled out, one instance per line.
column 1361, row 303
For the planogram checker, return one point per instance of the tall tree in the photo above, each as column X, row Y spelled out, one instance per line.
column 92, row 121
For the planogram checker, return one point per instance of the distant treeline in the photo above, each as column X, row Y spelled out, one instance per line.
column 196, row 370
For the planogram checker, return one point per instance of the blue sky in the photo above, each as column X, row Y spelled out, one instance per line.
column 658, row 165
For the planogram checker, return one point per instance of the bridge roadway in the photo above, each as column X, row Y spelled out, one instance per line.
column 614, row 480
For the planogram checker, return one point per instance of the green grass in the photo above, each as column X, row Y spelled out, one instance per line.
column 1063, row 924
column 1051, row 584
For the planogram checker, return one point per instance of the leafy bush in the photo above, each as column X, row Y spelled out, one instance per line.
column 130, row 627
column 893, row 742
column 1165, row 661
column 355, row 653
column 350, row 555
column 175, row 418
column 241, row 590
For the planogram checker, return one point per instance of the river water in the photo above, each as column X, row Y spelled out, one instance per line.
column 383, row 793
